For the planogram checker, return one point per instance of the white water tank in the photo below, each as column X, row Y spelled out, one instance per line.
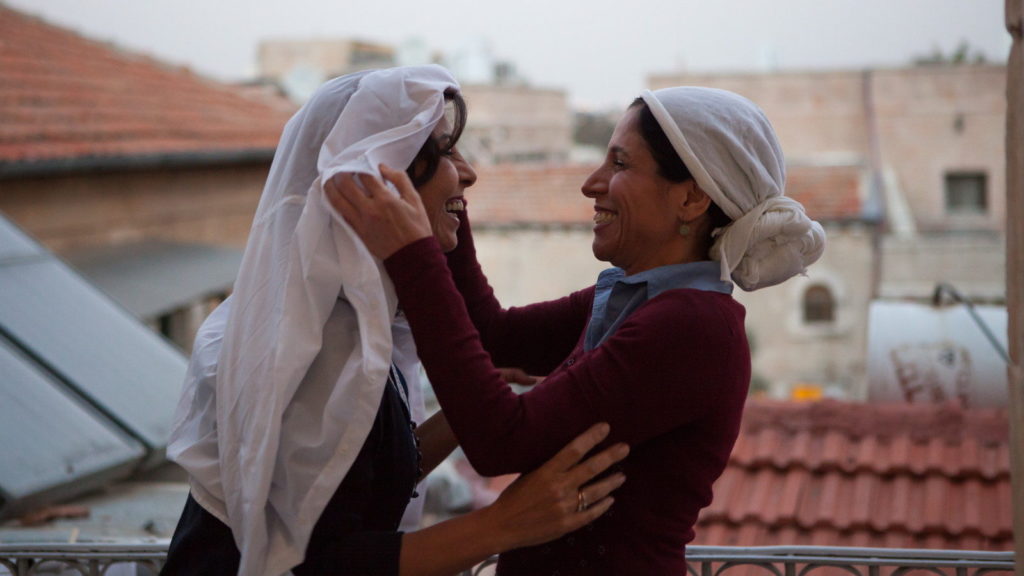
column 922, row 354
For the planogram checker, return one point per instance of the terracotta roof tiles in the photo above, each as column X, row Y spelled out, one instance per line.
column 530, row 194
column 518, row 194
column 844, row 474
column 66, row 97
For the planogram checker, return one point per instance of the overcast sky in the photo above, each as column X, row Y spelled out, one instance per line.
column 599, row 51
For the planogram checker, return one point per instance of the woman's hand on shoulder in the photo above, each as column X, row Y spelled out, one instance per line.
column 546, row 503
column 386, row 222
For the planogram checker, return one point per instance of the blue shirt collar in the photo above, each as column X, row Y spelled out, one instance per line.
column 703, row 275
column 616, row 295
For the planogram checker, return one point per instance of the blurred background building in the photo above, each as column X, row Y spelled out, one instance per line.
column 512, row 122
column 928, row 143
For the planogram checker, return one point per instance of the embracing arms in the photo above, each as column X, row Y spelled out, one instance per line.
column 536, row 508
column 435, row 435
column 679, row 358
column 537, row 337
column 674, row 361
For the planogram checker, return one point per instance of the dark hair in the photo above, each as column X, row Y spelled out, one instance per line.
column 670, row 165
column 424, row 165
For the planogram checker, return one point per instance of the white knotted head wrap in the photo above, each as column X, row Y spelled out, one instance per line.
column 731, row 150
column 285, row 383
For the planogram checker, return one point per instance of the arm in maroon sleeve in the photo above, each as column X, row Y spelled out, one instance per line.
column 673, row 361
column 537, row 337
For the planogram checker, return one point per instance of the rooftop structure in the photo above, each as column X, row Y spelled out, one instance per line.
column 67, row 102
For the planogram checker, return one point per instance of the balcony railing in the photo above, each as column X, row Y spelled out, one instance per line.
column 146, row 559
column 82, row 559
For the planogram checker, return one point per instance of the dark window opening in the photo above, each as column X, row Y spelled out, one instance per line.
column 819, row 306
column 966, row 193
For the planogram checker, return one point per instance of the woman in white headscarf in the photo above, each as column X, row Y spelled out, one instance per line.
column 688, row 202
column 297, row 420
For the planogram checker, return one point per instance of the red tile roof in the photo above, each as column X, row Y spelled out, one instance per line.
column 65, row 97
column 828, row 193
column 550, row 194
column 530, row 194
column 844, row 474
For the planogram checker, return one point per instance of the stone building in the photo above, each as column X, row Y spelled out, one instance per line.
column 300, row 66
column 930, row 140
column 510, row 121
column 515, row 124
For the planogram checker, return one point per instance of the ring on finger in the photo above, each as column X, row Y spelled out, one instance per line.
column 581, row 501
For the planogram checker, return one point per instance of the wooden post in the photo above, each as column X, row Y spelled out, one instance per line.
column 1015, row 264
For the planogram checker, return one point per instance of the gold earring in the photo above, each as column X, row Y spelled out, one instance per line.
column 684, row 230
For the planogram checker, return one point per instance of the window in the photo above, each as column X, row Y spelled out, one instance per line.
column 966, row 193
column 819, row 306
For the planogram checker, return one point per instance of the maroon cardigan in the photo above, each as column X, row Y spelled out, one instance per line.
column 671, row 382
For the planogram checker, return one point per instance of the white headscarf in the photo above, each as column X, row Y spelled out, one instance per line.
column 731, row 150
column 268, row 427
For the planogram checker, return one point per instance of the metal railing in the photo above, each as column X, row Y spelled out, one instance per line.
column 145, row 560
column 807, row 560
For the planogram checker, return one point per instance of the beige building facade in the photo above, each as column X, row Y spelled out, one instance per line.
column 796, row 353
column 509, row 120
column 533, row 264
column 73, row 212
column 932, row 137
column 516, row 124
column 931, row 142
column 299, row 66
column 959, row 110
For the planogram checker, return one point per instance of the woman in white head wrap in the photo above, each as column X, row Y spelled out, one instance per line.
column 295, row 423
column 688, row 201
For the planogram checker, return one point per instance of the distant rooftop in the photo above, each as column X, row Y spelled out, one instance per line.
column 511, row 194
column 67, row 101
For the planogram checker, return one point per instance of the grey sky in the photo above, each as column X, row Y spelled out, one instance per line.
column 599, row 51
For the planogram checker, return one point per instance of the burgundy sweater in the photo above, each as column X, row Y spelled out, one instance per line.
column 671, row 382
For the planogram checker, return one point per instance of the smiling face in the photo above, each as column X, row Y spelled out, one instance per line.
column 636, row 211
column 443, row 193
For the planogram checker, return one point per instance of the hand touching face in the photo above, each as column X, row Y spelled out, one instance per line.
column 384, row 221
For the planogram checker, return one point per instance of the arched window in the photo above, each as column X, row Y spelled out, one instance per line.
column 819, row 305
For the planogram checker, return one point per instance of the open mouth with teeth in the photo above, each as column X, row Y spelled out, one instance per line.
column 454, row 205
column 604, row 217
